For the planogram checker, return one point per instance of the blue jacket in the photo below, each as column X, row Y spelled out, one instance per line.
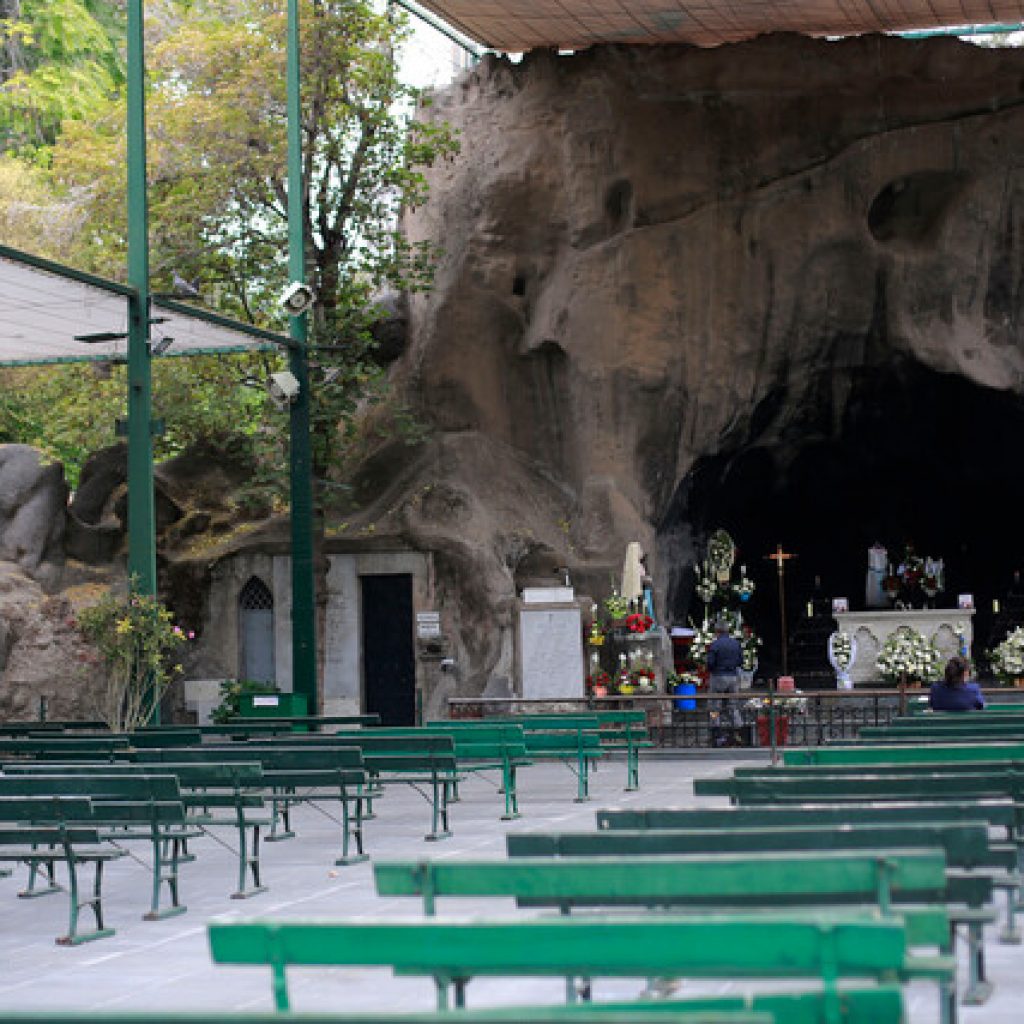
column 956, row 698
column 725, row 655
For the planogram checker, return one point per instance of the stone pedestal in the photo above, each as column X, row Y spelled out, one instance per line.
column 550, row 643
column 871, row 629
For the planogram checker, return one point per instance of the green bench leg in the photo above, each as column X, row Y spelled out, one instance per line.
column 351, row 829
column 248, row 863
column 32, row 890
column 74, row 937
column 508, row 786
column 280, row 818
column 978, row 989
column 438, row 810
column 166, row 858
column 632, row 766
column 1010, row 935
column 583, row 778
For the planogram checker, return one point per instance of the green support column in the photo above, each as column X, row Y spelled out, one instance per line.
column 141, row 516
column 304, row 675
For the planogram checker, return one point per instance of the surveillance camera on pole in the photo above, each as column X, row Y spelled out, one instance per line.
column 297, row 298
column 283, row 388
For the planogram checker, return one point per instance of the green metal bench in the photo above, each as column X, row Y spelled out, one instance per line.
column 64, row 747
column 623, row 730
column 42, row 832
column 699, row 884
column 411, row 757
column 198, row 788
column 483, row 745
column 452, row 953
column 295, row 774
column 915, row 753
column 856, row 1010
column 878, row 1005
column 576, row 740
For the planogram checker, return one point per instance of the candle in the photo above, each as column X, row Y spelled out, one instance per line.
column 810, row 609
column 995, row 606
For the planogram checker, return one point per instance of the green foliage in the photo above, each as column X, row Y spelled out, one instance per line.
column 218, row 182
column 136, row 639
column 218, row 188
column 65, row 60
column 231, row 693
column 69, row 411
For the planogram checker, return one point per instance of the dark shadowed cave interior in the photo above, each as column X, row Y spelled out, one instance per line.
column 916, row 456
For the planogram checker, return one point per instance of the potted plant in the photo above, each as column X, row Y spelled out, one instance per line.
column 684, row 683
column 598, row 683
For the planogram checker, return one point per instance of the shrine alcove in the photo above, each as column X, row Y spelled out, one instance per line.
column 910, row 456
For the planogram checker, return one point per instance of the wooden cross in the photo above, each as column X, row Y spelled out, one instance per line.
column 780, row 558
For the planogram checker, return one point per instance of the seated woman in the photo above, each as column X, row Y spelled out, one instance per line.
column 954, row 692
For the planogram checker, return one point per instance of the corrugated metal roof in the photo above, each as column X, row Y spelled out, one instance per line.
column 519, row 25
column 45, row 309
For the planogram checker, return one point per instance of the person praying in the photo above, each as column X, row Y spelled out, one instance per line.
column 954, row 692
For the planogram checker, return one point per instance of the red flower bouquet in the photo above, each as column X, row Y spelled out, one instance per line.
column 638, row 622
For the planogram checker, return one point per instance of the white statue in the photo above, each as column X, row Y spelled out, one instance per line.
column 633, row 573
column 878, row 559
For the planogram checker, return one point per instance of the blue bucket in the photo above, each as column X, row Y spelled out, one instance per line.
column 688, row 689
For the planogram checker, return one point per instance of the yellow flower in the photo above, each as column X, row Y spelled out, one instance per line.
column 124, row 626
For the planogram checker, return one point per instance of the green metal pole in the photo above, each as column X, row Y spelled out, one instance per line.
column 141, row 517
column 304, row 675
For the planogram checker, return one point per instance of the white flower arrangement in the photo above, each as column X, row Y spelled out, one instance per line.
column 1007, row 658
column 908, row 654
column 792, row 703
column 841, row 648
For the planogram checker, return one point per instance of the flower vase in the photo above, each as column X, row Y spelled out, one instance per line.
column 626, row 689
column 600, row 691
column 685, row 688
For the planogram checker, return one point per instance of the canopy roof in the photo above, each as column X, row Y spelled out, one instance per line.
column 46, row 310
column 519, row 25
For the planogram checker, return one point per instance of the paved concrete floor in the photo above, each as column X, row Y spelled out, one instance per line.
column 166, row 965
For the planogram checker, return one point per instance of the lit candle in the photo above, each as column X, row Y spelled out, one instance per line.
column 995, row 606
column 810, row 609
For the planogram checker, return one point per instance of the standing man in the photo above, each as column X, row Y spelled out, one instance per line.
column 725, row 655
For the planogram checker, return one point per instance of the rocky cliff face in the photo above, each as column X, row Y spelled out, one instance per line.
column 666, row 268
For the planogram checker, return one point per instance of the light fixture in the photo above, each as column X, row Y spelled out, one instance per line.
column 283, row 388
column 297, row 298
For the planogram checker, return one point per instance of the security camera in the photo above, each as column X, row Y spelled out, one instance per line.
column 284, row 388
column 297, row 298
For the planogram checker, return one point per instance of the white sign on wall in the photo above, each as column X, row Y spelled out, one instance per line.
column 428, row 624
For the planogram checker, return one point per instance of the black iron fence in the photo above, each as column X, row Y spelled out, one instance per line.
column 695, row 720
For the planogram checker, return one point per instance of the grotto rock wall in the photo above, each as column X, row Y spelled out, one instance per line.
column 653, row 255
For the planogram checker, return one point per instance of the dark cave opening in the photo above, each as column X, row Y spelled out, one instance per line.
column 916, row 457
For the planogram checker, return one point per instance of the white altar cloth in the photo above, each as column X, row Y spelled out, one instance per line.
column 871, row 628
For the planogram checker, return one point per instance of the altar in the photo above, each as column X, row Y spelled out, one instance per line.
column 870, row 630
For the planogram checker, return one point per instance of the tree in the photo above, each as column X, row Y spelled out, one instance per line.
column 218, row 186
column 59, row 59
